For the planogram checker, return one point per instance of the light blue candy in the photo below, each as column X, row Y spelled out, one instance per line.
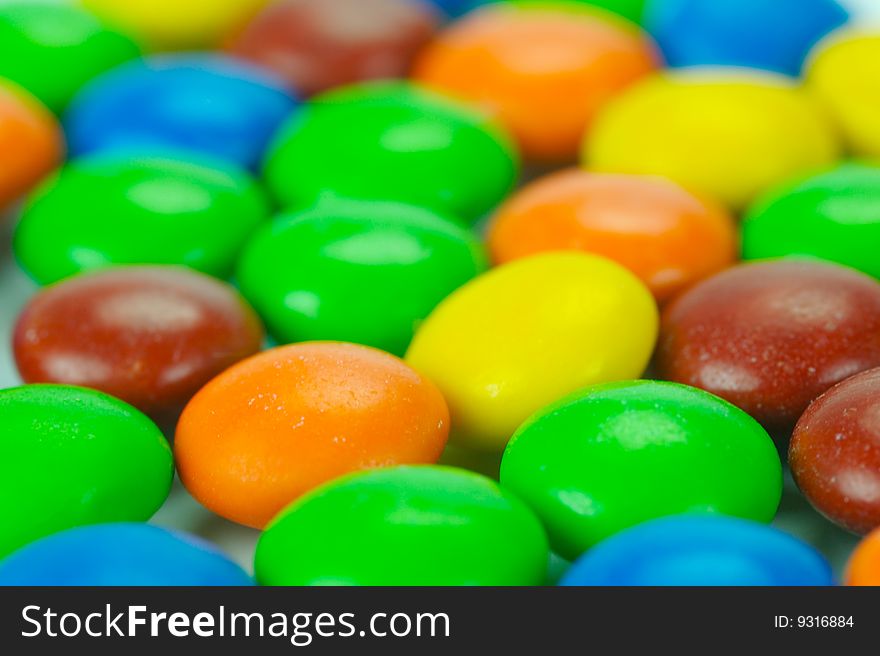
column 700, row 550
column 120, row 555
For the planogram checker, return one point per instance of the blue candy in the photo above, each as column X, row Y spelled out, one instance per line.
column 700, row 550
column 776, row 35
column 457, row 7
column 204, row 103
column 120, row 555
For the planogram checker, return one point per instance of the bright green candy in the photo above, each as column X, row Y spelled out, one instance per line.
column 632, row 10
column 52, row 50
column 354, row 271
column 615, row 455
column 109, row 209
column 834, row 216
column 392, row 141
column 405, row 526
column 71, row 456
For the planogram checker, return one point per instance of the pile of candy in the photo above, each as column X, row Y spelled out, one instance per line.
column 546, row 282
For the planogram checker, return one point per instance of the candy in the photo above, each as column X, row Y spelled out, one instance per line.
column 73, row 456
column 356, row 272
column 544, row 71
column 275, row 426
column 630, row 9
column 151, row 336
column 29, row 139
column 392, row 141
column 53, row 49
column 702, row 550
column 615, row 455
column 864, row 564
column 316, row 45
column 525, row 334
column 835, row 216
column 770, row 337
column 665, row 235
column 121, row 555
column 405, row 526
column 834, row 453
column 775, row 35
column 730, row 135
column 845, row 76
column 116, row 209
column 455, row 7
column 178, row 25
column 204, row 103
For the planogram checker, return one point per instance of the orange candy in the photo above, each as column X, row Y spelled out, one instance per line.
column 864, row 565
column 275, row 426
column 30, row 142
column 544, row 72
column 665, row 235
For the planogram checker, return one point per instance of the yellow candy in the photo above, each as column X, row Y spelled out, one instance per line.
column 845, row 75
column 176, row 24
column 731, row 135
column 528, row 333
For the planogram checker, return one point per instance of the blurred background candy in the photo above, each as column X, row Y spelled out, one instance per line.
column 525, row 334
column 544, row 72
column 355, row 271
column 273, row 427
column 701, row 550
column 731, row 135
column 126, row 209
column 774, row 35
column 121, row 555
column 614, row 455
column 864, row 565
column 73, row 456
column 665, row 235
column 205, row 103
column 405, row 526
column 151, row 336
column 316, row 45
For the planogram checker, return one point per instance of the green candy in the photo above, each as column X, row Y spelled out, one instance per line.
column 52, row 49
column 71, row 456
column 834, row 216
column 632, row 10
column 392, row 141
column 108, row 209
column 358, row 272
column 405, row 526
column 615, row 455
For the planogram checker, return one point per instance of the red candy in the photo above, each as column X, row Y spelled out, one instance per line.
column 835, row 453
column 151, row 336
column 771, row 337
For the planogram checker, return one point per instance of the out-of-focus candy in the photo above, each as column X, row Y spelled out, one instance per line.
column 729, row 135
column 615, row 455
column 543, row 71
column 176, row 24
column 455, row 8
column 770, row 337
column 356, row 272
column 864, row 565
column 834, row 216
column 115, row 209
column 834, row 453
column 701, row 550
column 121, row 555
column 393, row 141
column 667, row 236
column 275, row 426
column 630, row 9
column 30, row 140
column 203, row 103
column 405, row 526
column 316, row 45
column 151, row 336
column 525, row 334
column 845, row 76
column 72, row 456
column 775, row 35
